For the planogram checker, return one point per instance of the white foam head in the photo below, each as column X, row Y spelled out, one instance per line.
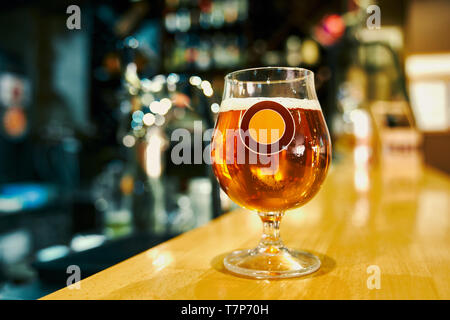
column 290, row 103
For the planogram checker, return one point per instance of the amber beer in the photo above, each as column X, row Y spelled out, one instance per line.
column 270, row 154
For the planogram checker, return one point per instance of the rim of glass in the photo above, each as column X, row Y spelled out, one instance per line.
column 303, row 75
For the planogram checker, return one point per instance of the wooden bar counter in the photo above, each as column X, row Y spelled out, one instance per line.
column 380, row 234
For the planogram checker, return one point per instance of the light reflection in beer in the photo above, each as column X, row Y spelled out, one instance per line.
column 316, row 155
column 225, row 171
column 299, row 150
column 299, row 117
column 278, row 176
column 268, row 173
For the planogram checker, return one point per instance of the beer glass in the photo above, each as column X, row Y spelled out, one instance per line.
column 270, row 153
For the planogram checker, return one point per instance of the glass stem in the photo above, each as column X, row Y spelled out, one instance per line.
column 270, row 240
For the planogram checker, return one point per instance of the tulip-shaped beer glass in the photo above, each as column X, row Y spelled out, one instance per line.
column 270, row 152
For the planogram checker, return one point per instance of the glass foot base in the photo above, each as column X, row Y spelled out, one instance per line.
column 271, row 263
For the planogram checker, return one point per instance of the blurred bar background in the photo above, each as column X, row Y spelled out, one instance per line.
column 86, row 115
